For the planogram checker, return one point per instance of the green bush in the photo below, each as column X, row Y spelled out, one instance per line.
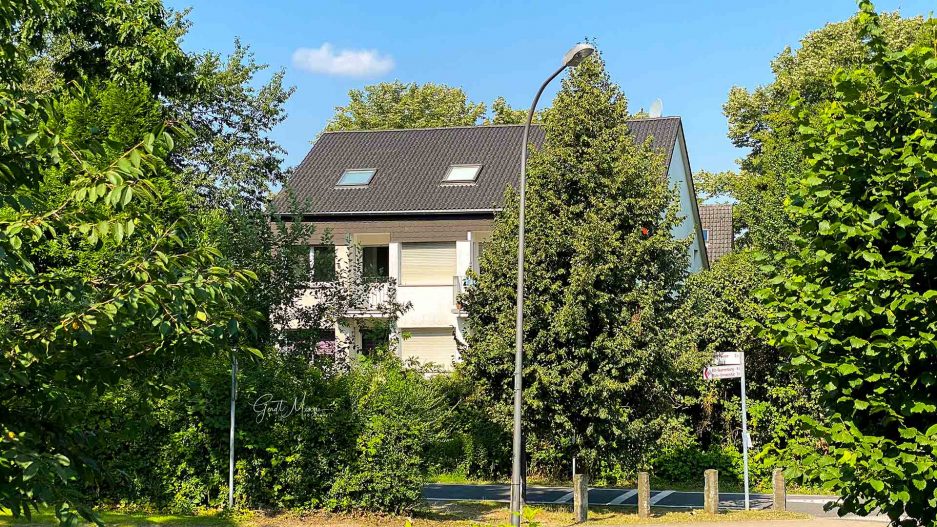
column 475, row 444
column 386, row 474
column 686, row 465
column 350, row 440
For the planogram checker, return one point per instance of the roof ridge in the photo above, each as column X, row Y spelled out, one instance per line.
column 465, row 126
column 477, row 126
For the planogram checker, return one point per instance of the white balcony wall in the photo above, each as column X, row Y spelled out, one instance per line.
column 432, row 306
column 463, row 256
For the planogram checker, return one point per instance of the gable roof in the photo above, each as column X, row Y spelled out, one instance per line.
column 411, row 166
column 717, row 220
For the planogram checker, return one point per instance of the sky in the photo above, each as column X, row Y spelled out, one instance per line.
column 688, row 53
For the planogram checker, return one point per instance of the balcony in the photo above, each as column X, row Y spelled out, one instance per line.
column 370, row 300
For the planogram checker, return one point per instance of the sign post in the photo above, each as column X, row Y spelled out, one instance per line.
column 731, row 365
column 234, row 391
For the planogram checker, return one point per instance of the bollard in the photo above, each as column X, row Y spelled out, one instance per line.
column 780, row 491
column 581, row 497
column 644, row 495
column 711, row 492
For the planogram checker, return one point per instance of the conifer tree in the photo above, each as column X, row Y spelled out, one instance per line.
column 603, row 276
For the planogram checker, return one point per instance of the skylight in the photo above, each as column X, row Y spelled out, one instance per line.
column 463, row 173
column 356, row 177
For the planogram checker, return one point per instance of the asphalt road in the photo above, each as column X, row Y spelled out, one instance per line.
column 812, row 505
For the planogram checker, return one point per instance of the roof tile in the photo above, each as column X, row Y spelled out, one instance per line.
column 411, row 165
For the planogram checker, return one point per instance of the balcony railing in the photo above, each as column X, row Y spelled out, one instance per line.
column 371, row 299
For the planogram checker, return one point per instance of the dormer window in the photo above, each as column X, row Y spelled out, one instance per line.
column 462, row 173
column 356, row 177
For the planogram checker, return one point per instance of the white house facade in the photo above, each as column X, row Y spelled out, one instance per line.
column 420, row 204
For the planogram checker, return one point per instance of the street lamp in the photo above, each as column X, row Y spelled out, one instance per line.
column 573, row 57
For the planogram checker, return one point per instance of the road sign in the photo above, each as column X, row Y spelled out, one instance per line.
column 727, row 358
column 732, row 371
column 731, row 365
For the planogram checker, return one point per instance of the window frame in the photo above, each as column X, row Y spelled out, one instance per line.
column 478, row 170
column 345, row 173
column 312, row 264
column 375, row 278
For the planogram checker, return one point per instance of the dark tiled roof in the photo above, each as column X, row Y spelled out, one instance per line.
column 717, row 219
column 411, row 165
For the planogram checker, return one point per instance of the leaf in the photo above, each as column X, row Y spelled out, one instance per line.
column 126, row 196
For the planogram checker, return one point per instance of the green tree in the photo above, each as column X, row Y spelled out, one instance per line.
column 604, row 277
column 390, row 105
column 761, row 121
column 853, row 302
column 103, row 270
column 502, row 113
column 230, row 160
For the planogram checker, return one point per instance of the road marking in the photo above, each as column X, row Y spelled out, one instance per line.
column 812, row 500
column 660, row 495
column 621, row 499
column 566, row 498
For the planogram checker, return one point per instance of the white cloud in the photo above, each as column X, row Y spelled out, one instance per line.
column 344, row 62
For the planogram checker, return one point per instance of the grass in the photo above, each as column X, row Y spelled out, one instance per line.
column 458, row 514
column 133, row 519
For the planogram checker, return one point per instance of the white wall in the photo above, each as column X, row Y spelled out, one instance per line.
column 687, row 228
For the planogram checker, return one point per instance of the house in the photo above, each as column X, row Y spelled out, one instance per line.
column 718, row 233
column 421, row 203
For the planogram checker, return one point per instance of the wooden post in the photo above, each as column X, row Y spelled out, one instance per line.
column 581, row 497
column 711, row 492
column 644, row 495
column 780, row 491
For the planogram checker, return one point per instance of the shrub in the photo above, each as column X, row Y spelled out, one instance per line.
column 352, row 440
column 387, row 473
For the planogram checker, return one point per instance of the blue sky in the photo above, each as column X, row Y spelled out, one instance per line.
column 688, row 53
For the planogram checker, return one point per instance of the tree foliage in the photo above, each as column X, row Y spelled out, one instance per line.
column 761, row 121
column 603, row 275
column 392, row 105
column 853, row 302
column 109, row 260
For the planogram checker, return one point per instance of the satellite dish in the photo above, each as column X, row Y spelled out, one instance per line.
column 657, row 108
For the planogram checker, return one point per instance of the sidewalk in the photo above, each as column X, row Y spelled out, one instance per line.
column 809, row 522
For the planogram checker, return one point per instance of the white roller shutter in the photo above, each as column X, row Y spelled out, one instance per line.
column 427, row 263
column 436, row 345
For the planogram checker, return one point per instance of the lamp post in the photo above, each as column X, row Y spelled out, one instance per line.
column 572, row 58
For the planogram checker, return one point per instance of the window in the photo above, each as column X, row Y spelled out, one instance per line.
column 323, row 263
column 705, row 235
column 299, row 261
column 463, row 173
column 356, row 178
column 375, row 263
column 430, row 345
column 427, row 263
column 374, row 339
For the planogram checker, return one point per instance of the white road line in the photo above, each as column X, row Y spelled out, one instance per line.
column 660, row 495
column 566, row 498
column 621, row 499
column 813, row 500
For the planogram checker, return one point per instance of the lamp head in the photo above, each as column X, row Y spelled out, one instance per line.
column 577, row 54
